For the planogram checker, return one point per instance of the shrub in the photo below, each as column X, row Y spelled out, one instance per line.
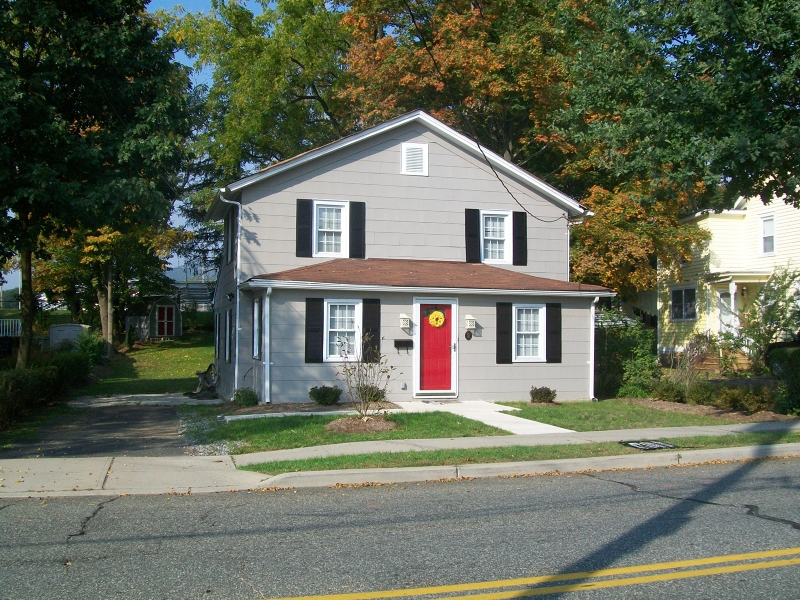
column 372, row 393
column 325, row 394
column 625, row 353
column 71, row 369
column 702, row 392
column 131, row 337
column 366, row 377
column 23, row 390
column 542, row 395
column 92, row 346
column 745, row 398
column 785, row 366
column 668, row 390
column 245, row 397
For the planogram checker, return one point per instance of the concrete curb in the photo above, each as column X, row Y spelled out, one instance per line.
column 358, row 477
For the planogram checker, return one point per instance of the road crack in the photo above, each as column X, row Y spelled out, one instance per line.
column 752, row 509
column 84, row 524
column 4, row 506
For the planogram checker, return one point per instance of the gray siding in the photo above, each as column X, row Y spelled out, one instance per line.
column 408, row 217
column 480, row 378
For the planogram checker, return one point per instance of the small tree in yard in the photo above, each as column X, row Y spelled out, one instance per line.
column 366, row 375
column 773, row 315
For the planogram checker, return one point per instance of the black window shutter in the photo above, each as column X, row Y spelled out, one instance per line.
column 553, row 328
column 505, row 333
column 358, row 235
column 371, row 326
column 315, row 329
column 520, row 239
column 472, row 233
column 305, row 209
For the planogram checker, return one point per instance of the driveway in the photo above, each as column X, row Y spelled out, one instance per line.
column 111, row 431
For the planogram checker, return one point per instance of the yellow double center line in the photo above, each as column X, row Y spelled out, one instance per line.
column 587, row 585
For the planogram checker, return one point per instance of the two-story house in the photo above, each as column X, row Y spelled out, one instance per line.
column 747, row 243
column 407, row 240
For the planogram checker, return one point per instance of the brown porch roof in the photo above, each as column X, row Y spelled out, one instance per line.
column 424, row 274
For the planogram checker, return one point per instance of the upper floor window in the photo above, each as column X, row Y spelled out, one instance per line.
column 414, row 159
column 331, row 228
column 768, row 234
column 495, row 235
column 342, row 338
column 529, row 342
column 683, row 304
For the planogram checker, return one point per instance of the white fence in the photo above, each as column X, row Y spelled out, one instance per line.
column 10, row 327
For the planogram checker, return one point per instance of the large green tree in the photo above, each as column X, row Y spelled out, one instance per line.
column 694, row 92
column 93, row 118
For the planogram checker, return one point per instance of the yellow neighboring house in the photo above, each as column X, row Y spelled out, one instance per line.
column 747, row 243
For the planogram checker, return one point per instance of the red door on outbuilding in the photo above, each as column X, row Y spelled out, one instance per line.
column 166, row 321
column 436, row 358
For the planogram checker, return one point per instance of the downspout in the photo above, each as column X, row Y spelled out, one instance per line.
column 265, row 350
column 238, row 294
column 591, row 349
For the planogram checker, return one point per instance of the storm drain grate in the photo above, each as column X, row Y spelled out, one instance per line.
column 649, row 445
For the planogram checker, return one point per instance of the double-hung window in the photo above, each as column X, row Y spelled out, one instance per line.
column 529, row 338
column 331, row 228
column 342, row 334
column 495, row 237
column 683, row 304
column 768, row 234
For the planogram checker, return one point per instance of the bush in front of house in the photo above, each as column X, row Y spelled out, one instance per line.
column 325, row 394
column 372, row 393
column 25, row 389
column 245, row 397
column 92, row 346
column 785, row 366
column 745, row 398
column 626, row 364
column 542, row 395
column 668, row 390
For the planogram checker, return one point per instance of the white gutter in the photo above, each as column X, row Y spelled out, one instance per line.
column 591, row 349
column 265, row 346
column 254, row 284
column 238, row 292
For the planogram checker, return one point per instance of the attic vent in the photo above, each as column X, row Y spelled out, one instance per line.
column 415, row 159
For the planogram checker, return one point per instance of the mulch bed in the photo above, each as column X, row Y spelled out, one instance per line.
column 302, row 407
column 356, row 425
column 710, row 411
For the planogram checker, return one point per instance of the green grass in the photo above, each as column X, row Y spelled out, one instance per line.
column 25, row 427
column 279, row 433
column 510, row 454
column 158, row 368
column 608, row 414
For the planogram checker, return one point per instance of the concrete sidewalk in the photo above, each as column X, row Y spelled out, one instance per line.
column 110, row 476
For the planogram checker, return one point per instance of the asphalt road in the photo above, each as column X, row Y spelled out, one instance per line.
column 332, row 541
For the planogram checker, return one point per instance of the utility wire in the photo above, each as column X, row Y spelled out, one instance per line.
column 465, row 119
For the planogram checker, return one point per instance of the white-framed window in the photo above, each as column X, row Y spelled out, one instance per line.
column 414, row 159
column 683, row 304
column 230, row 234
column 217, row 334
column 496, row 246
column 342, row 329
column 529, row 337
column 331, row 228
column 768, row 234
column 256, row 327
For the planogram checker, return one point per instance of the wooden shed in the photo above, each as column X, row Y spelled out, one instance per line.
column 163, row 320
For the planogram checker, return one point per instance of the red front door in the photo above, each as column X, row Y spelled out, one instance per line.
column 436, row 358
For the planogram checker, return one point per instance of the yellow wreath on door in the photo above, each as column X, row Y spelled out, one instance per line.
column 436, row 318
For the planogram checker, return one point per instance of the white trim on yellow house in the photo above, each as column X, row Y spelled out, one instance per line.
column 733, row 263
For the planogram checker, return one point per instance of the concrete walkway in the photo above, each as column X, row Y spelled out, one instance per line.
column 110, row 476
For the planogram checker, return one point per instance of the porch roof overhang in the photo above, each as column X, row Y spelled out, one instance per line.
column 739, row 276
column 420, row 277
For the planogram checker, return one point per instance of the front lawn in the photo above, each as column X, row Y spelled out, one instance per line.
column 608, row 414
column 511, row 454
column 157, row 367
column 279, row 433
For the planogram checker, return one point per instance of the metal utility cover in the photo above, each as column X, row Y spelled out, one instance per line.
column 649, row 445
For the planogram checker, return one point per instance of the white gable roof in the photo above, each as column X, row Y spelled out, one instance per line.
column 572, row 206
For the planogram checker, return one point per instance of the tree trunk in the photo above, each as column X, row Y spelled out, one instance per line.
column 102, row 306
column 110, row 316
column 27, row 306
